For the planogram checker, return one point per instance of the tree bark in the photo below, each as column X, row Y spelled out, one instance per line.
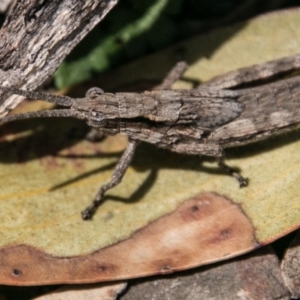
column 37, row 35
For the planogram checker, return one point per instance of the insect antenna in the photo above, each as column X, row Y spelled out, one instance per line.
column 44, row 114
column 57, row 99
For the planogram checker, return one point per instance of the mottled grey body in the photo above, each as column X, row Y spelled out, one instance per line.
column 201, row 121
column 177, row 120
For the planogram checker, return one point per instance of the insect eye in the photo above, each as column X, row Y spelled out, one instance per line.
column 96, row 119
column 94, row 92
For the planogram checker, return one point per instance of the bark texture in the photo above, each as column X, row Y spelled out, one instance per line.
column 37, row 35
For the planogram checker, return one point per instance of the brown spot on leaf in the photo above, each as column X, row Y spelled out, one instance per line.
column 17, row 272
column 201, row 230
column 226, row 233
column 101, row 269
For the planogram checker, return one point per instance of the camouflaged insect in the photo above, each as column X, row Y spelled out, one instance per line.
column 200, row 121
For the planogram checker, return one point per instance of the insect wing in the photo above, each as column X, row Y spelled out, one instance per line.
column 211, row 112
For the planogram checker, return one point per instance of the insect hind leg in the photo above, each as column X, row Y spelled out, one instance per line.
column 233, row 172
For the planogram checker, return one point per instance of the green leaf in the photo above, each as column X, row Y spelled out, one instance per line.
column 100, row 51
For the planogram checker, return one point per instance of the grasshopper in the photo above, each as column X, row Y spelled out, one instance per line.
column 201, row 121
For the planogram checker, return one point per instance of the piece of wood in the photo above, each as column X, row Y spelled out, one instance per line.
column 37, row 35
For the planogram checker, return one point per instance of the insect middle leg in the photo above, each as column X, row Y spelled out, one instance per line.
column 116, row 178
column 175, row 73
